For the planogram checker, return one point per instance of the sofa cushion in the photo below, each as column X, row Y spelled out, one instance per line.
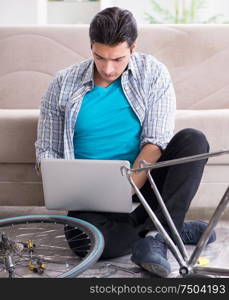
column 213, row 123
column 31, row 55
column 18, row 129
column 196, row 56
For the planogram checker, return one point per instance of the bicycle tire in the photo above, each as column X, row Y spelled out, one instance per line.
column 95, row 236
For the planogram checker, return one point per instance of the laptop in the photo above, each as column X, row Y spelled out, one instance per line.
column 86, row 185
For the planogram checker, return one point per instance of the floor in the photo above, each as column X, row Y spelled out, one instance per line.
column 217, row 253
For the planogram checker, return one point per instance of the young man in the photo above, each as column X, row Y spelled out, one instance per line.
column 121, row 105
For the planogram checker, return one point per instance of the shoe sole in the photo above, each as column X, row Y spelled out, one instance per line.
column 155, row 269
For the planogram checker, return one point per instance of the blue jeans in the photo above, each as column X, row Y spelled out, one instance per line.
column 177, row 184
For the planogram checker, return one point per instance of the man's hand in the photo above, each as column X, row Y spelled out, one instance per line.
column 150, row 153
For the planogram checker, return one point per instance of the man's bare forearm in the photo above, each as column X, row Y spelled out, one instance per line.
column 150, row 153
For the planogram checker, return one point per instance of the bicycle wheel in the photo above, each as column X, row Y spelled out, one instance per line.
column 36, row 246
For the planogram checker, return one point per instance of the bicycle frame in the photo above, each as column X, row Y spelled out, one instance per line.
column 188, row 265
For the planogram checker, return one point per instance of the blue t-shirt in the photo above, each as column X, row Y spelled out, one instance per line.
column 106, row 126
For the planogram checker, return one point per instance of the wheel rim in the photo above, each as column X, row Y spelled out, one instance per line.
column 48, row 254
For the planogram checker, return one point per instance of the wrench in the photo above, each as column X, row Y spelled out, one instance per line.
column 121, row 268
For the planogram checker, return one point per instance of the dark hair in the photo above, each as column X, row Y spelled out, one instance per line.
column 112, row 26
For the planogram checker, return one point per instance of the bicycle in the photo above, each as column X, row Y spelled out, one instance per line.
column 25, row 251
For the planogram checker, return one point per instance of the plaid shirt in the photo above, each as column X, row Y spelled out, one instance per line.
column 148, row 89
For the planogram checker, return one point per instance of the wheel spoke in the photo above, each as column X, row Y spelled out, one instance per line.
column 38, row 246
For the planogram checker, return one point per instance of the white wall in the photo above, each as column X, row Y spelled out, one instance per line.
column 18, row 12
column 41, row 12
column 215, row 7
column 61, row 12
column 140, row 7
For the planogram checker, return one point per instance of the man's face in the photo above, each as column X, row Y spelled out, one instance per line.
column 111, row 61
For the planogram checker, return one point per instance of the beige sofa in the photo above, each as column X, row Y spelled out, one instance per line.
column 196, row 55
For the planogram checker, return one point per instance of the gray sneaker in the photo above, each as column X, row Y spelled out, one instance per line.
column 150, row 253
